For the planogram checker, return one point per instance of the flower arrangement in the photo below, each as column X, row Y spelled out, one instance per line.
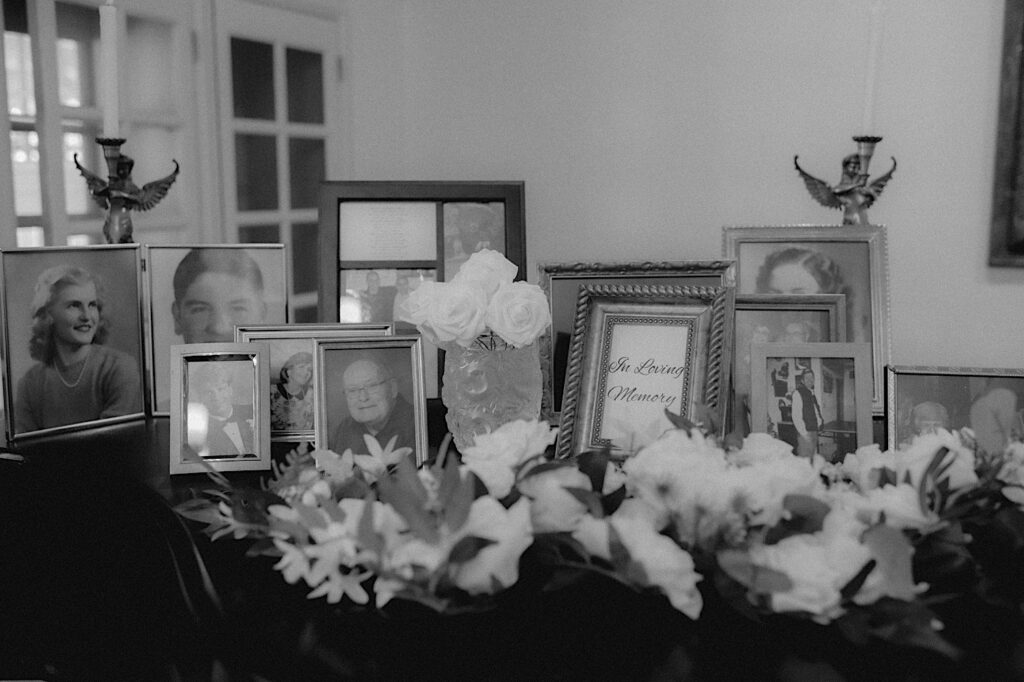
column 874, row 546
column 482, row 298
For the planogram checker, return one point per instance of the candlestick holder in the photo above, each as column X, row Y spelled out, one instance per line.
column 118, row 195
column 853, row 193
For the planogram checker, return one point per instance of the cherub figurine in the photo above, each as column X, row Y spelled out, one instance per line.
column 853, row 194
column 120, row 196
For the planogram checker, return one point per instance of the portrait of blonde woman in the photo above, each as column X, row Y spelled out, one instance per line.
column 81, row 360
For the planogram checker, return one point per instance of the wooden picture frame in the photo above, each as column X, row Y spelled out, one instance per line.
column 987, row 400
column 375, row 233
column 73, row 342
column 823, row 259
column 778, row 318
column 382, row 380
column 293, row 415
column 221, row 286
column 561, row 283
column 1006, row 234
column 842, row 386
column 637, row 351
column 220, row 417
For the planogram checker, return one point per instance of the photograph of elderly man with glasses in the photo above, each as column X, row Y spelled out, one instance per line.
column 376, row 407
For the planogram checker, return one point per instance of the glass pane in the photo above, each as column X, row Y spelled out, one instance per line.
column 77, row 200
column 154, row 149
column 27, row 237
column 305, row 257
column 16, row 15
column 149, row 80
column 305, row 86
column 259, row 234
column 21, row 94
column 25, row 163
column 256, row 169
column 306, row 170
column 78, row 45
column 84, row 239
column 306, row 314
column 252, row 78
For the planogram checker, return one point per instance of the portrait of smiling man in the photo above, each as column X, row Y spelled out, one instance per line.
column 375, row 407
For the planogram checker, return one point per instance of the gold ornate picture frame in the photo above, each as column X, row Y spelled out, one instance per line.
column 561, row 283
column 823, row 259
column 637, row 351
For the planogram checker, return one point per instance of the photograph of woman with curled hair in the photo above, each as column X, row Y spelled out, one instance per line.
column 291, row 398
column 76, row 378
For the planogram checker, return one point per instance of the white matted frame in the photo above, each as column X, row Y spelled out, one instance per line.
column 842, row 385
column 779, row 318
column 293, row 415
column 988, row 400
column 561, row 283
column 42, row 394
column 638, row 351
column 211, row 313
column 393, row 391
column 220, row 415
column 823, row 259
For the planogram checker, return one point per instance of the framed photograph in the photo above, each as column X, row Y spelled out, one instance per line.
column 779, row 318
column 814, row 396
column 292, row 393
column 828, row 259
column 637, row 352
column 1006, row 234
column 200, row 293
column 220, row 415
column 561, row 283
column 380, row 240
column 73, row 338
column 370, row 387
column 988, row 400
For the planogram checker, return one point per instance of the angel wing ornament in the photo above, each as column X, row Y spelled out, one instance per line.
column 853, row 194
column 119, row 196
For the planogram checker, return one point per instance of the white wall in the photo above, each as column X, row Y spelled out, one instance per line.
column 641, row 128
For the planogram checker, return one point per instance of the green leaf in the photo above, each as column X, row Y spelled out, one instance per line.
column 594, row 464
column 459, row 497
column 737, row 564
column 850, row 589
column 679, row 421
column 806, row 515
column 620, row 558
column 894, row 553
column 467, row 548
column 409, row 497
column 589, row 499
column 612, row 501
column 334, row 512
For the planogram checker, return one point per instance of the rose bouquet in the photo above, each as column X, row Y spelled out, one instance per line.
column 481, row 299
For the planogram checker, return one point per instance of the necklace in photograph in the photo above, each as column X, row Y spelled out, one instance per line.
column 81, row 372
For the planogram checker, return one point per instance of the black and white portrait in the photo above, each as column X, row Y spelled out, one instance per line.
column 73, row 332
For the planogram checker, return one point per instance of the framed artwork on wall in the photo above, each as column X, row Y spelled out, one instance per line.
column 220, row 413
column 823, row 259
column 814, row 396
column 990, row 401
column 561, row 283
column 73, row 338
column 200, row 293
column 1006, row 234
column 379, row 240
column 638, row 352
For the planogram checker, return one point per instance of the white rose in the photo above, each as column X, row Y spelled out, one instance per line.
column 486, row 270
column 497, row 563
column 457, row 313
column 415, row 309
column 916, row 458
column 518, row 312
column 494, row 456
